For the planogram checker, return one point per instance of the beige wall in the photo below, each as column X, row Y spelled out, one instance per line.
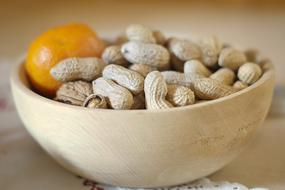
column 247, row 23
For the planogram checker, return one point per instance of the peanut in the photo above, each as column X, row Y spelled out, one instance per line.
column 107, row 41
column 117, row 97
column 159, row 37
column 149, row 54
column 127, row 78
column 95, row 101
column 113, row 55
column 195, row 66
column 180, row 95
column 183, row 49
column 176, row 64
column 155, row 89
column 249, row 73
column 226, row 45
column 231, row 58
column 239, row 85
column 210, row 49
column 265, row 64
column 209, row 89
column 184, row 79
column 121, row 39
column 251, row 54
column 73, row 92
column 72, row 69
column 139, row 102
column 142, row 69
column 224, row 75
column 140, row 33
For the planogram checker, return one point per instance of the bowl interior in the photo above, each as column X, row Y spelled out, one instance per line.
column 20, row 80
column 144, row 148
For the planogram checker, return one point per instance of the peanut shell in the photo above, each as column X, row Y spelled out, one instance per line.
column 113, row 55
column 159, row 37
column 155, row 89
column 249, row 73
column 231, row 58
column 149, row 54
column 238, row 85
column 139, row 102
column 117, row 97
column 95, row 101
column 127, row 78
column 210, row 50
column 195, row 66
column 209, row 89
column 142, row 69
column 180, row 95
column 224, row 75
column 140, row 33
column 72, row 69
column 74, row 93
column 184, row 50
column 184, row 79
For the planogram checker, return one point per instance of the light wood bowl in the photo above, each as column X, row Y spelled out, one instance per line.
column 142, row 148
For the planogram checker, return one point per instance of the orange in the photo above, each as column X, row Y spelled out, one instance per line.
column 73, row 40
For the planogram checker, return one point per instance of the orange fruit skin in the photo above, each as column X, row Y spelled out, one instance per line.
column 73, row 40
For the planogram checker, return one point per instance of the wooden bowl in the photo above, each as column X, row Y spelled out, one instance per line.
column 143, row 148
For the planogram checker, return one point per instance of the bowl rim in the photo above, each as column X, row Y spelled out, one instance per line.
column 18, row 67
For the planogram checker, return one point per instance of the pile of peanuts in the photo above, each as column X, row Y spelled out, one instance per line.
column 145, row 70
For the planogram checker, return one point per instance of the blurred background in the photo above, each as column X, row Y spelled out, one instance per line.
column 245, row 23
column 249, row 23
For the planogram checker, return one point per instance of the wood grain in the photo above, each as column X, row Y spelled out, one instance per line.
column 142, row 148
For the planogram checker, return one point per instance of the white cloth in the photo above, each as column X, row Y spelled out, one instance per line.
column 202, row 184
